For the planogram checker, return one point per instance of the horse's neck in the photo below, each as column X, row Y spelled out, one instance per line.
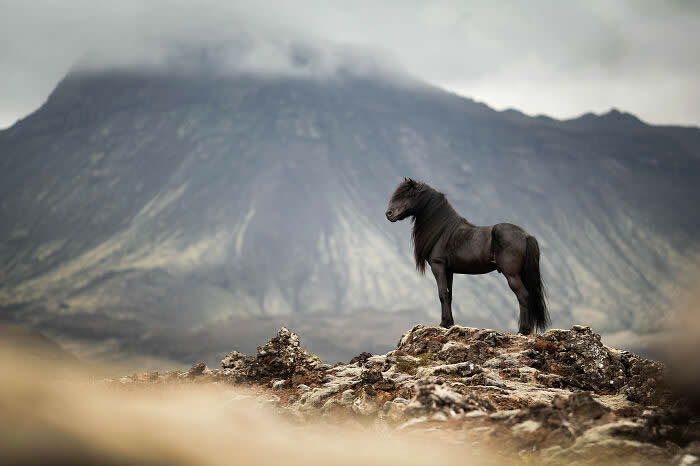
column 445, row 210
column 445, row 213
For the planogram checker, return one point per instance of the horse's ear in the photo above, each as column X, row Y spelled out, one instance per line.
column 411, row 181
column 405, row 179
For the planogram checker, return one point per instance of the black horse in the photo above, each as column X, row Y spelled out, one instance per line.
column 450, row 244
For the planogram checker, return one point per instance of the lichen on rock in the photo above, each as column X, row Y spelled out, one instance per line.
column 560, row 396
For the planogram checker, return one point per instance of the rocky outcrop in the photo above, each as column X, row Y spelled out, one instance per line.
column 281, row 358
column 559, row 397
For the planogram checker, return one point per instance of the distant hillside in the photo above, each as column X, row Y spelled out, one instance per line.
column 163, row 215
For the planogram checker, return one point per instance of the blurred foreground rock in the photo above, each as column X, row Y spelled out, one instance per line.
column 560, row 397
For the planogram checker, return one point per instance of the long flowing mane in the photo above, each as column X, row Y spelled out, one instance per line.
column 434, row 219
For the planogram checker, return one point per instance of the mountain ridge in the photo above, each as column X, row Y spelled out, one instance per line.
column 148, row 204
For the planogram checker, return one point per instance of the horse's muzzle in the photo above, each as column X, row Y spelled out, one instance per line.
column 390, row 216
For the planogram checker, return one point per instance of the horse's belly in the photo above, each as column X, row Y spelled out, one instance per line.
column 472, row 263
column 474, row 256
column 474, row 268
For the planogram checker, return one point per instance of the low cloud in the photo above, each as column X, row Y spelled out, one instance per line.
column 557, row 58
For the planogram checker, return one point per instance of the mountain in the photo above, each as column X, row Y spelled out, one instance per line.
column 172, row 214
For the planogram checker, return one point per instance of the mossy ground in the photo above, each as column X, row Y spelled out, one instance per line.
column 411, row 366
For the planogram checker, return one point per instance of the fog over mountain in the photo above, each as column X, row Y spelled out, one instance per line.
column 542, row 57
column 180, row 209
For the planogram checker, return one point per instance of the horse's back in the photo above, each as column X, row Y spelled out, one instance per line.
column 504, row 233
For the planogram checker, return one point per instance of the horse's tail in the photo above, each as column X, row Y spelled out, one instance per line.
column 537, row 297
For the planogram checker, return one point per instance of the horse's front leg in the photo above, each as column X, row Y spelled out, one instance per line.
column 443, row 277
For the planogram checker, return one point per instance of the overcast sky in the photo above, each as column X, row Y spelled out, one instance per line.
column 551, row 57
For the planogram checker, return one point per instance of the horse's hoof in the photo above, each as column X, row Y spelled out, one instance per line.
column 525, row 331
column 446, row 325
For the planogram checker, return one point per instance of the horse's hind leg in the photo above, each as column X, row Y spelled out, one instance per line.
column 517, row 286
column 509, row 252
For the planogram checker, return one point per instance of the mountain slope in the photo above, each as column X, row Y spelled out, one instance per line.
column 140, row 208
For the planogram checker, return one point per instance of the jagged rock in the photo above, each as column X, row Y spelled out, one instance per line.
column 581, row 360
column 386, row 385
column 480, row 351
column 315, row 397
column 421, row 339
column 197, row 370
column 371, row 376
column 561, row 396
column 646, row 385
column 360, row 358
column 308, row 373
column 432, row 397
column 239, row 366
column 549, row 425
column 549, row 380
column 453, row 352
column 396, row 377
column 566, row 416
column 348, row 371
column 564, row 358
column 280, row 358
column 376, row 362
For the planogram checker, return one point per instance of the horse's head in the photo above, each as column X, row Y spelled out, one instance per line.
column 404, row 199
